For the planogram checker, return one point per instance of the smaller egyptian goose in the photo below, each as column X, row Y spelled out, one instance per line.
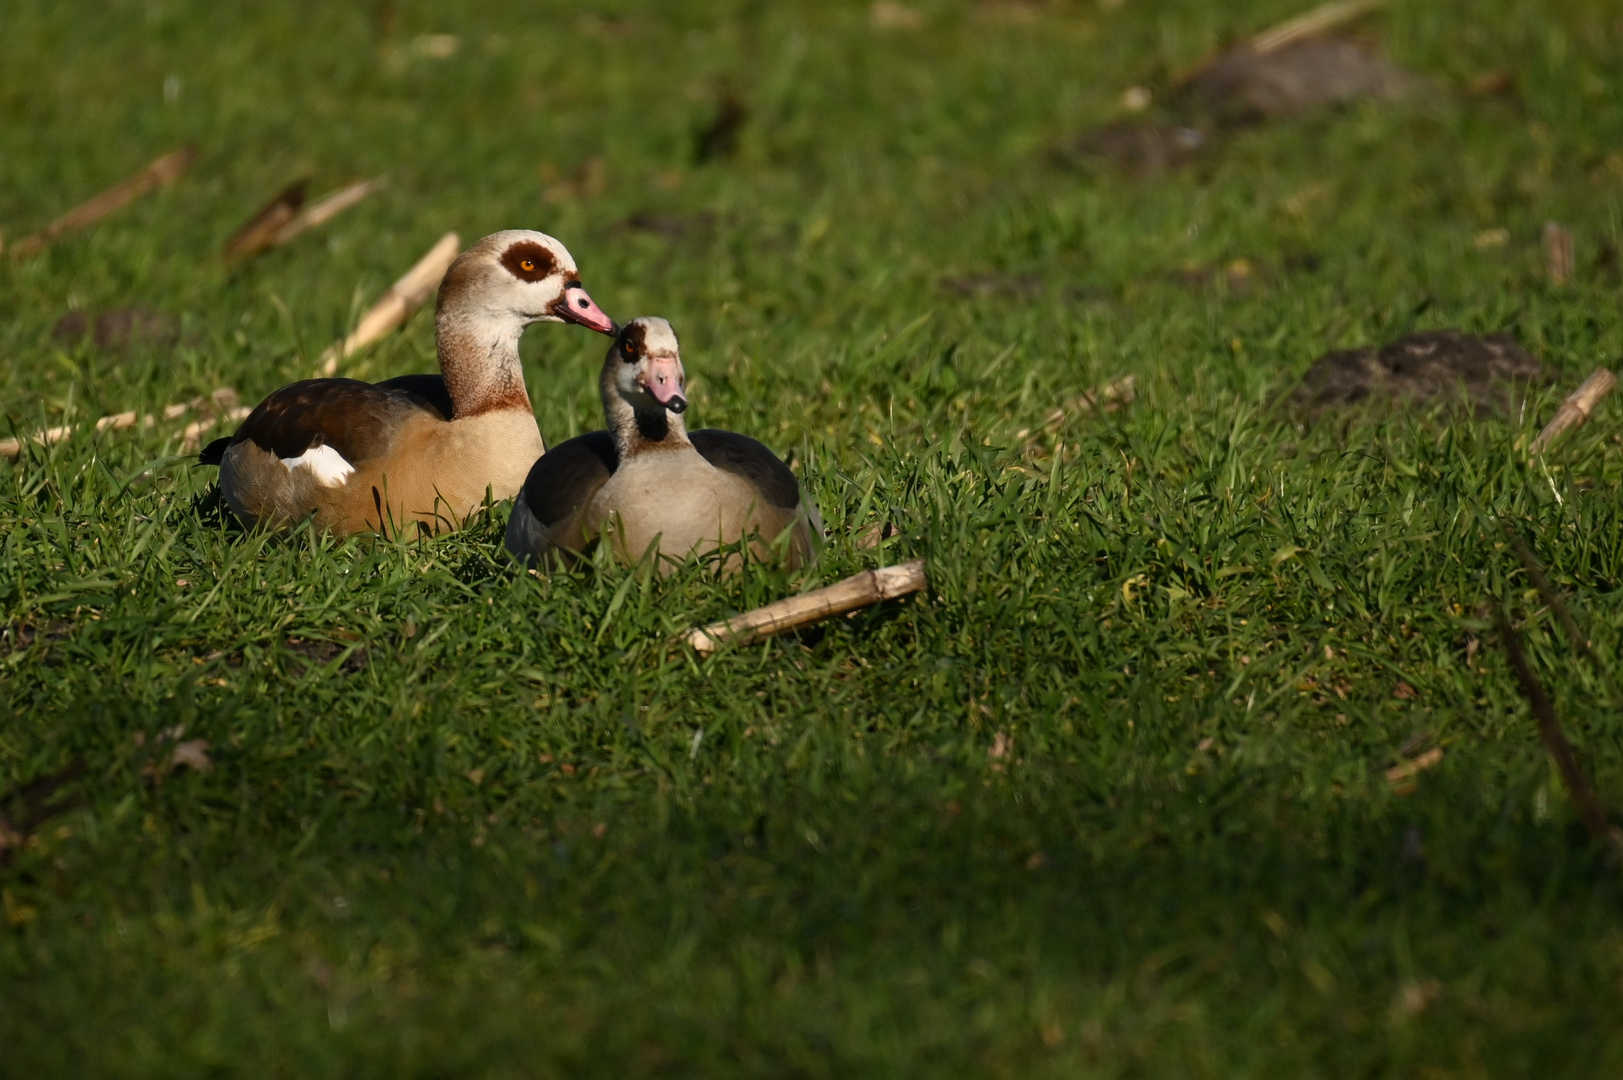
column 418, row 449
column 648, row 482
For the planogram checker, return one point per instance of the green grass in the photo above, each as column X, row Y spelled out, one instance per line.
column 1108, row 801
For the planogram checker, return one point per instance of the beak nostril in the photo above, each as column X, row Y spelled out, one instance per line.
column 583, row 302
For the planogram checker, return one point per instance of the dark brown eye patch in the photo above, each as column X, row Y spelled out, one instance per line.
column 631, row 343
column 529, row 261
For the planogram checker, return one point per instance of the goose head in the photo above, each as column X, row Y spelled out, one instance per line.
column 514, row 278
column 644, row 367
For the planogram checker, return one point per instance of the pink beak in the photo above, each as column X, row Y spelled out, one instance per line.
column 577, row 307
column 664, row 379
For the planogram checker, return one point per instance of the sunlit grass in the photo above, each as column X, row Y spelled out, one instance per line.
column 1109, row 800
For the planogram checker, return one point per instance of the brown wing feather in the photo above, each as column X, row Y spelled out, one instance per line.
column 744, row 457
column 356, row 419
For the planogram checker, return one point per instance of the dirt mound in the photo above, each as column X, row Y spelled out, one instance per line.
column 118, row 329
column 1242, row 88
column 1245, row 87
column 1485, row 372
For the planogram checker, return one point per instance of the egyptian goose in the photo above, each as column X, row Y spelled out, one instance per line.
column 647, row 481
column 417, row 449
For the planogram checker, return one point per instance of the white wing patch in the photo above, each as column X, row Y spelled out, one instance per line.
column 327, row 465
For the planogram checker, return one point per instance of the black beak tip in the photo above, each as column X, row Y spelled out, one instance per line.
column 677, row 404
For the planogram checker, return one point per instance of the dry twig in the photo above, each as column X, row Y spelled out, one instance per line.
column 24, row 809
column 1576, row 409
column 1590, row 809
column 1558, row 254
column 324, row 210
column 1553, row 601
column 221, row 400
column 1405, row 771
column 260, row 231
column 165, row 170
column 1309, row 24
column 1320, row 20
column 860, row 590
column 396, row 305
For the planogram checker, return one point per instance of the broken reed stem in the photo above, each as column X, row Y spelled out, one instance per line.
column 1590, row 809
column 1405, row 771
column 1576, row 409
column 324, row 210
column 259, row 233
column 1552, row 599
column 396, row 305
column 1321, row 19
column 1559, row 259
column 221, row 400
column 164, row 170
column 858, row 591
column 878, row 533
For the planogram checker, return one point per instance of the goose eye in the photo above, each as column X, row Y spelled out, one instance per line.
column 527, row 265
column 630, row 350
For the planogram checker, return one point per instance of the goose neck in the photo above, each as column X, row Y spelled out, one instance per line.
column 480, row 361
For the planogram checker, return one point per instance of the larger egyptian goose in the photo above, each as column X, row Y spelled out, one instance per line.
column 649, row 485
column 416, row 451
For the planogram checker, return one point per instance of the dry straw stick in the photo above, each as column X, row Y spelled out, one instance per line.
column 282, row 218
column 1558, row 254
column 1590, row 809
column 1576, row 409
column 260, row 232
column 1310, row 24
column 324, row 210
column 221, row 400
column 165, row 170
column 396, row 305
column 858, row 591
column 1320, row 20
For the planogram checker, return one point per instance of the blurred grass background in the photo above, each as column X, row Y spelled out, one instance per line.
column 1110, row 801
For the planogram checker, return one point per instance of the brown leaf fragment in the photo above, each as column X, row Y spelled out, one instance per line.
column 191, row 754
column 1413, row 998
column 1497, row 83
column 1403, row 691
column 259, row 233
column 719, row 138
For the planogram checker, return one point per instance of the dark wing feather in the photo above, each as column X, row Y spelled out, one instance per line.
column 429, row 388
column 566, row 476
column 356, row 419
column 743, row 456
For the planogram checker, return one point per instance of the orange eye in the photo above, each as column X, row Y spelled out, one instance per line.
column 527, row 265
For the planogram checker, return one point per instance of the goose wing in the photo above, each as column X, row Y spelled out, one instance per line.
column 546, row 515
column 355, row 419
column 780, row 502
